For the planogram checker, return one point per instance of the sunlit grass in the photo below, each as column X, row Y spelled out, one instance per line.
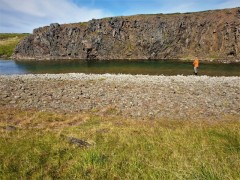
column 8, row 43
column 121, row 148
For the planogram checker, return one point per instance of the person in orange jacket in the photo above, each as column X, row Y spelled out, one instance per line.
column 195, row 65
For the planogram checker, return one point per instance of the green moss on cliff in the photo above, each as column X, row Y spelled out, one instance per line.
column 83, row 24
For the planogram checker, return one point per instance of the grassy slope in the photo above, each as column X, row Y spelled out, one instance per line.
column 8, row 43
column 126, row 149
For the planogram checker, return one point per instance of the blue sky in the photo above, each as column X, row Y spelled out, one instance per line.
column 25, row 15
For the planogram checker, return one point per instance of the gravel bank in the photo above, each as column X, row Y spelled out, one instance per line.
column 138, row 96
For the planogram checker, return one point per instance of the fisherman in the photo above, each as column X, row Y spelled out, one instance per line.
column 195, row 65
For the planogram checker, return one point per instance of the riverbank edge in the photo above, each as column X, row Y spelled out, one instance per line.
column 182, row 60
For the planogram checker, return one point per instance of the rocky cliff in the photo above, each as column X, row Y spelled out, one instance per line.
column 208, row 35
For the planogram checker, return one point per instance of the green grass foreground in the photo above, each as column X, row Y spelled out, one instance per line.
column 8, row 42
column 121, row 148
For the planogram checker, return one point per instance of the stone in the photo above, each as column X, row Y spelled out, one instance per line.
column 76, row 141
column 54, row 25
column 10, row 128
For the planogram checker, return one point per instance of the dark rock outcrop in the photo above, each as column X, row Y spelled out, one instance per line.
column 208, row 35
column 78, row 142
column 10, row 128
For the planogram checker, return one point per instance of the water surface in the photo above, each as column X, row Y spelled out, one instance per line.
column 115, row 67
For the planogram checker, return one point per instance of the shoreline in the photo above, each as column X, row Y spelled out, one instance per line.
column 182, row 60
column 135, row 96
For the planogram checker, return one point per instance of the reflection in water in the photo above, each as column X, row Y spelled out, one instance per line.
column 116, row 67
column 10, row 67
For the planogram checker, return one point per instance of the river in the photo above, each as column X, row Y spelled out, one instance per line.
column 8, row 67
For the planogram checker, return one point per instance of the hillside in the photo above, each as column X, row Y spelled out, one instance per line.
column 8, row 42
column 210, row 35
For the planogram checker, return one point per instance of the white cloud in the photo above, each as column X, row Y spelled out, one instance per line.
column 25, row 15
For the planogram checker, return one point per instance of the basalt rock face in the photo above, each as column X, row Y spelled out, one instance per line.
column 208, row 35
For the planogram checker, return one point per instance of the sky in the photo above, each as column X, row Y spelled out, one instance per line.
column 22, row 16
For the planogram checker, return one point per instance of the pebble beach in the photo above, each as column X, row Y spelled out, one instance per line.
column 136, row 96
